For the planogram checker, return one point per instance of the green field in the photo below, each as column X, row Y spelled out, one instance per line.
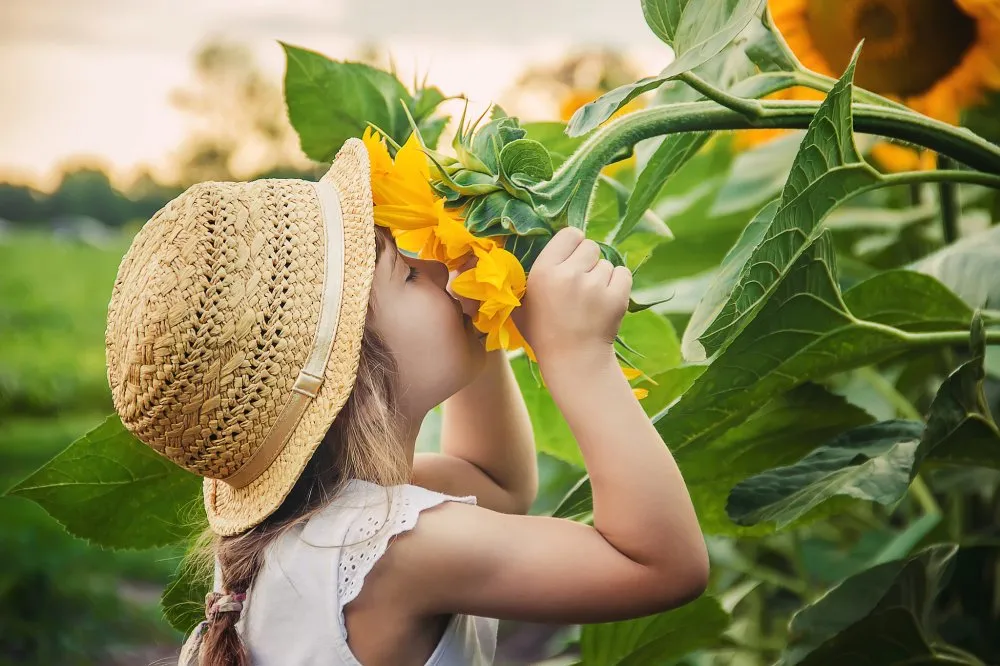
column 63, row 600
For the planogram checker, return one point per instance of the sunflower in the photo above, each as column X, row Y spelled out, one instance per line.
column 938, row 57
column 407, row 205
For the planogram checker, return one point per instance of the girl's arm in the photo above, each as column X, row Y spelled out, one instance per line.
column 645, row 551
column 487, row 445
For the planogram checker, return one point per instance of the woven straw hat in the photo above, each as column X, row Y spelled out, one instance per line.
column 234, row 329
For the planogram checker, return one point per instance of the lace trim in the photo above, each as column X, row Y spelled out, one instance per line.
column 375, row 533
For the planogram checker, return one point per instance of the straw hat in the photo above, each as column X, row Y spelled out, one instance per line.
column 235, row 325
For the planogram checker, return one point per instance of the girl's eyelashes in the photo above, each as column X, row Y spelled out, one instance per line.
column 412, row 275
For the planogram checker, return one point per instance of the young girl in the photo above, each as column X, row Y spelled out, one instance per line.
column 269, row 338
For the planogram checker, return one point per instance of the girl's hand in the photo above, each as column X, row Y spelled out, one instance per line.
column 575, row 299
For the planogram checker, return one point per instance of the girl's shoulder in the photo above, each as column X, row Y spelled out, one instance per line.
column 365, row 511
column 360, row 524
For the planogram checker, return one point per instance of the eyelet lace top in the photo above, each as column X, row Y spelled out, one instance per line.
column 294, row 612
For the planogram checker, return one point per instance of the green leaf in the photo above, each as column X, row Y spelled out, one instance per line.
column 654, row 639
column 696, row 31
column 655, row 340
column 890, row 638
column 111, row 489
column 611, row 254
column 873, row 462
column 826, row 171
column 553, row 136
column 470, row 184
column 862, row 607
column 552, row 434
column 520, row 218
column 525, row 157
column 578, row 504
column 904, row 541
column 592, row 114
column 765, row 50
column 183, row 600
column 970, row 267
column 878, row 462
column 330, row 102
column 779, row 433
column 960, row 428
column 674, row 151
column 802, row 332
column 527, row 248
column 486, row 211
column 658, row 350
column 491, row 139
column 757, row 175
column 425, row 101
column 877, row 300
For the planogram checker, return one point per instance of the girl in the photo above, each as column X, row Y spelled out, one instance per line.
column 267, row 337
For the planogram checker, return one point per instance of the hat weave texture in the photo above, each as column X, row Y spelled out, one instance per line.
column 213, row 314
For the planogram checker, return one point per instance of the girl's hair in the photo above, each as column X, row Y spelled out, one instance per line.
column 363, row 443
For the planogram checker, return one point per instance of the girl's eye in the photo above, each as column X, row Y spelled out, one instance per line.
column 412, row 275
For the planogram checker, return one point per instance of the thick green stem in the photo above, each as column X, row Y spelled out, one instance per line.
column 948, row 200
column 940, row 338
column 580, row 171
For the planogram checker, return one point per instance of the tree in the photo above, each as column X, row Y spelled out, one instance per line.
column 244, row 128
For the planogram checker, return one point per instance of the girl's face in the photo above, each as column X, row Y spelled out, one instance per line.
column 437, row 349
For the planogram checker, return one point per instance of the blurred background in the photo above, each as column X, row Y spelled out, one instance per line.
column 110, row 108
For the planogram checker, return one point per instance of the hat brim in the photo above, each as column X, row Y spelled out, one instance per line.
column 233, row 510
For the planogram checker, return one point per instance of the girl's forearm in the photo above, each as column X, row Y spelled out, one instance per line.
column 641, row 503
column 487, row 424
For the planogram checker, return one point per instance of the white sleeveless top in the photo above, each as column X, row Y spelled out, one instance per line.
column 294, row 611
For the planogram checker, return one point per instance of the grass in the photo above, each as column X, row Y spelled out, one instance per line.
column 60, row 598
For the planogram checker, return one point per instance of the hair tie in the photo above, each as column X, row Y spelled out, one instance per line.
column 217, row 602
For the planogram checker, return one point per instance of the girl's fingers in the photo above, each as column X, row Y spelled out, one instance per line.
column 584, row 257
column 602, row 272
column 559, row 248
column 621, row 280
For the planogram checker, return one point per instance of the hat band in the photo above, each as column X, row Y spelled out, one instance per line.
column 311, row 376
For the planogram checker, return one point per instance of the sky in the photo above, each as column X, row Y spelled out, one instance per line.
column 93, row 77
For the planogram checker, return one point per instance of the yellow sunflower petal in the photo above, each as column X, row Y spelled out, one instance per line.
column 640, row 393
column 631, row 373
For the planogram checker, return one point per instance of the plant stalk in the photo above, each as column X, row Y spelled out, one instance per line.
column 581, row 170
column 948, row 200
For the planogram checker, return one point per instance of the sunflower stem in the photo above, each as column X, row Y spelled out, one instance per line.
column 948, row 200
column 751, row 108
column 577, row 176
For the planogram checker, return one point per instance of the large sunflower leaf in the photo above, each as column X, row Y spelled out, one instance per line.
column 873, row 462
column 803, row 332
column 827, row 170
column 654, row 639
column 183, row 600
column 960, row 428
column 862, row 607
column 777, row 434
column 878, row 462
column 970, row 267
column 696, row 31
column 330, row 102
column 892, row 637
column 673, row 152
column 111, row 489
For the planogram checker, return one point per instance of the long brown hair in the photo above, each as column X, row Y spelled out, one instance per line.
column 363, row 443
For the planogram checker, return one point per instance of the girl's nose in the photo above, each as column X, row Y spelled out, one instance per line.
column 437, row 271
